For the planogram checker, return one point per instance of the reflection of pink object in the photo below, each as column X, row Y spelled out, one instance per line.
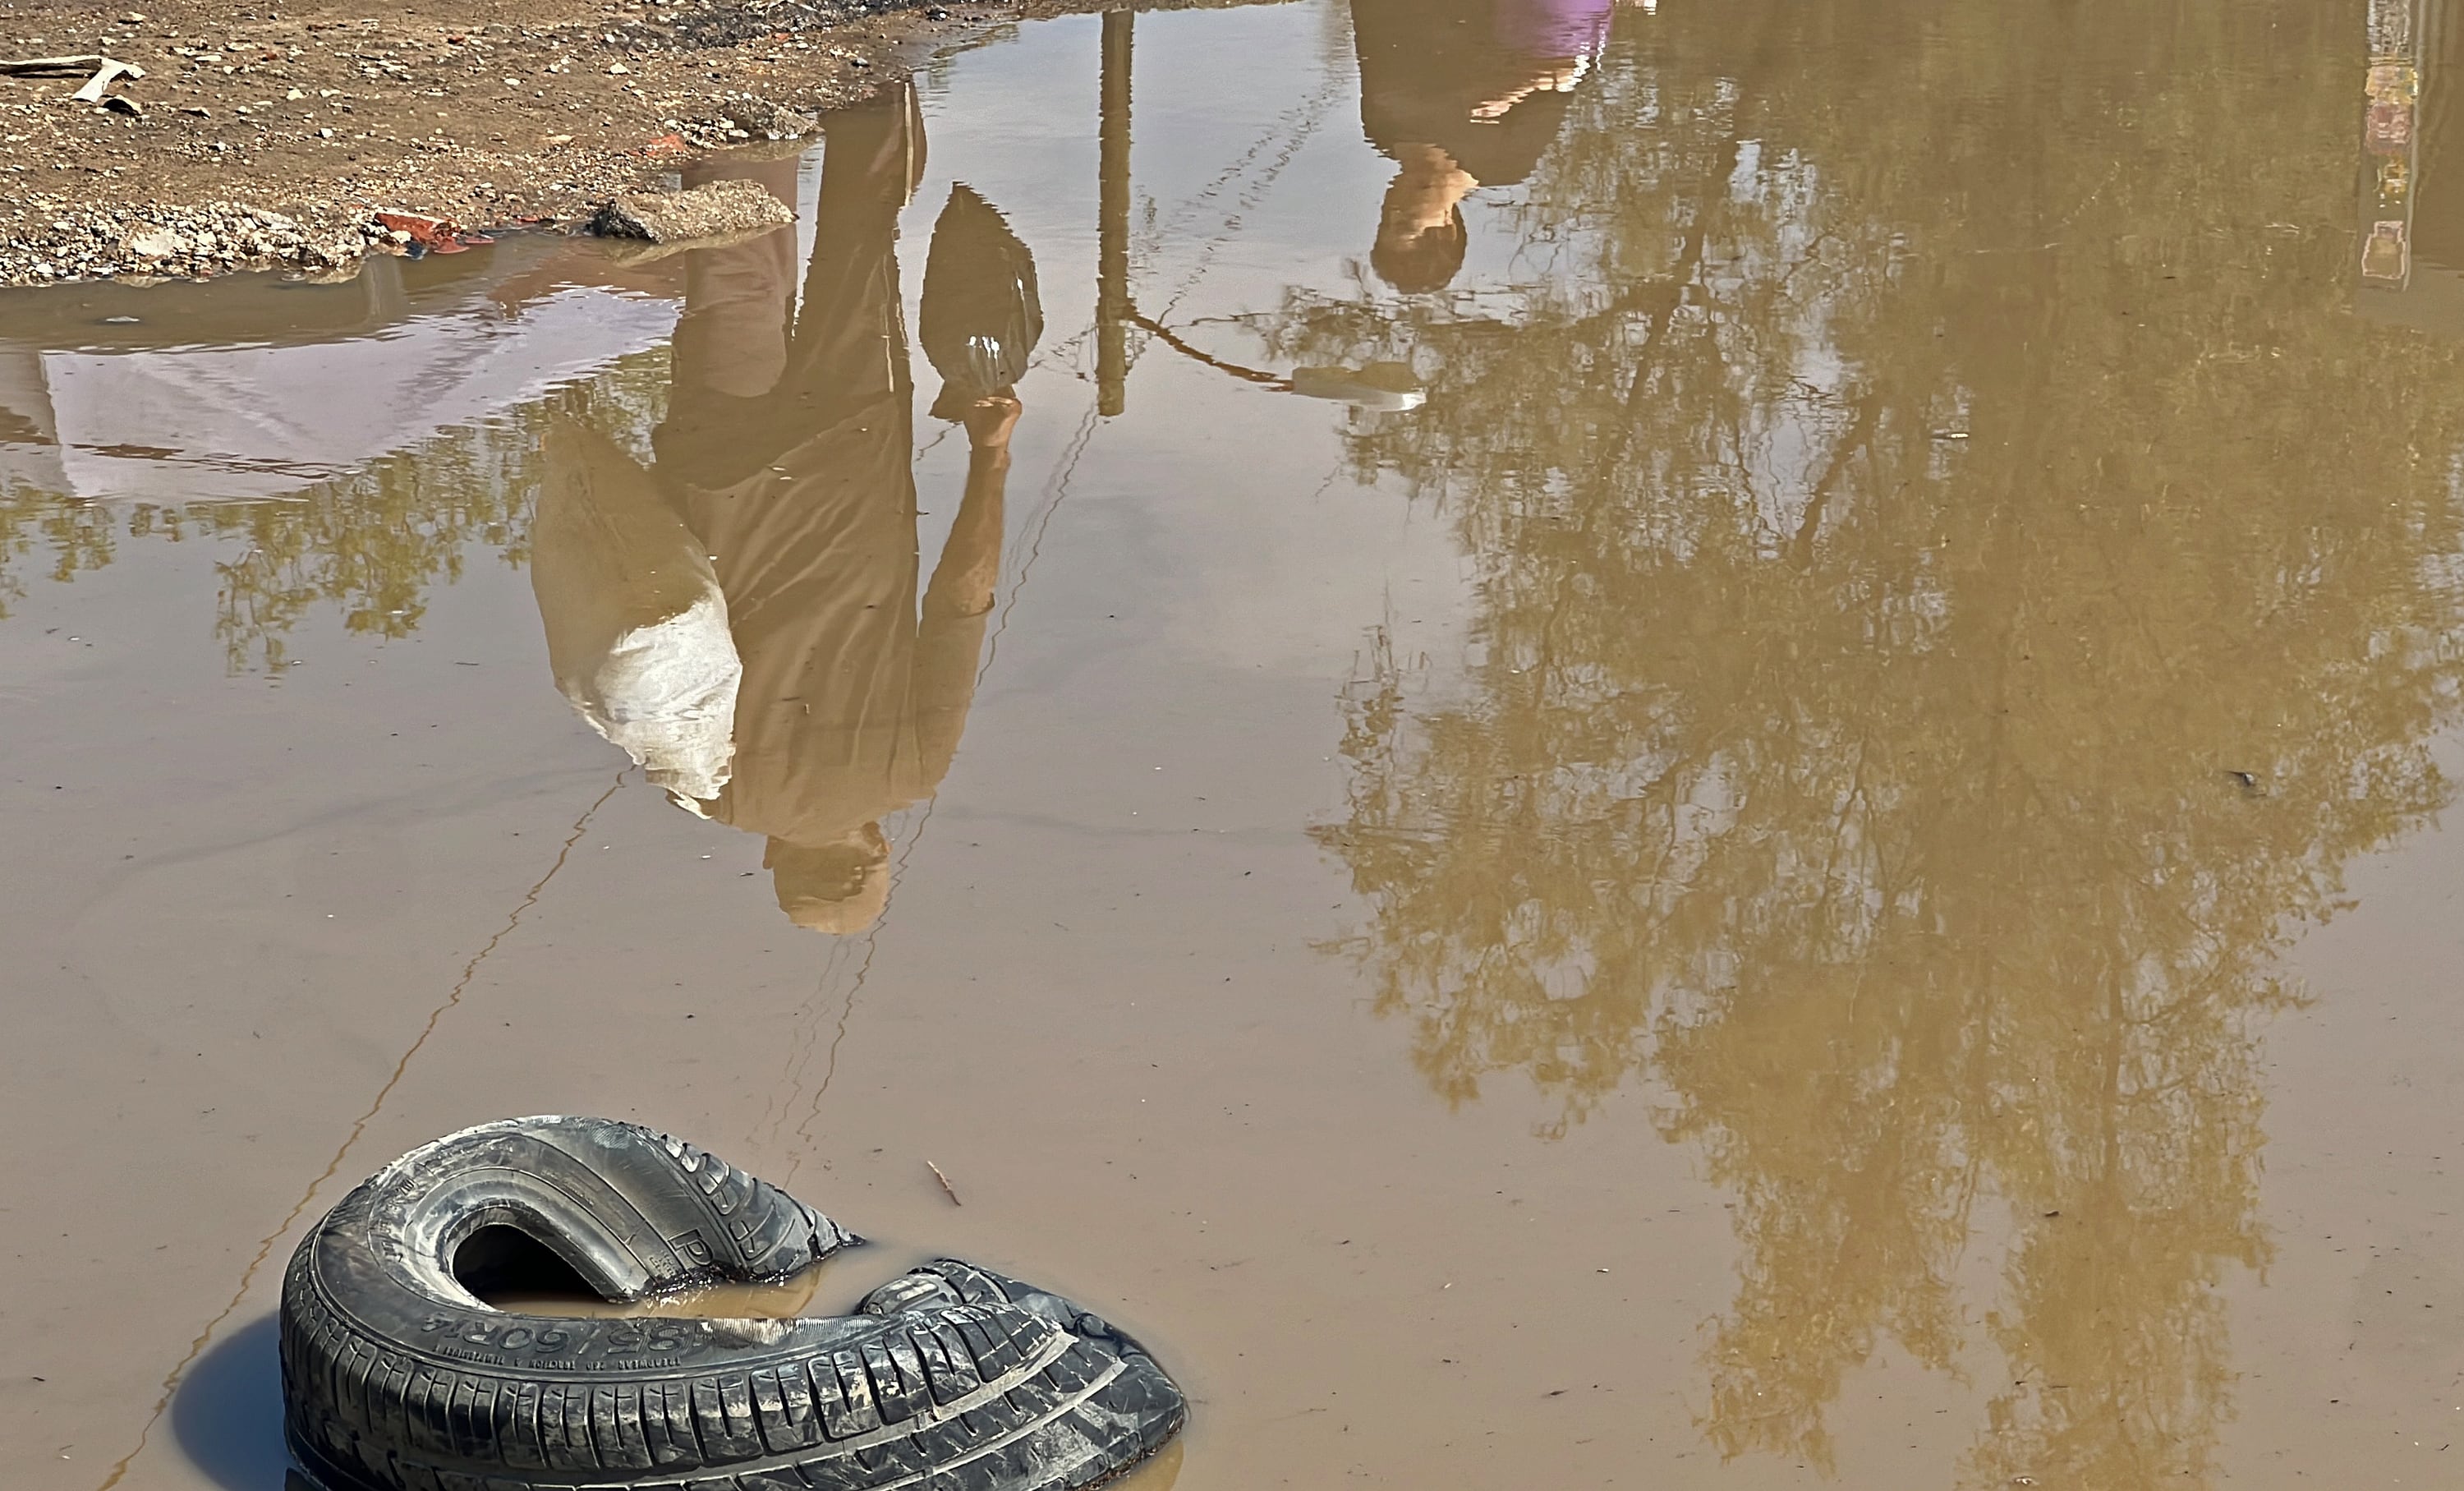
column 2391, row 123
column 1554, row 29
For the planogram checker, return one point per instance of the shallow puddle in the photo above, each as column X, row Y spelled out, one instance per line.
column 1693, row 747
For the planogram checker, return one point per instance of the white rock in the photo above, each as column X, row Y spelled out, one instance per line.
column 155, row 243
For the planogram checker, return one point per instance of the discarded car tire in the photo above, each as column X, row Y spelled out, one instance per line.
column 396, row 1378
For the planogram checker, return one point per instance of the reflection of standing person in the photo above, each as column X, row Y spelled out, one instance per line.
column 788, row 546
column 1462, row 93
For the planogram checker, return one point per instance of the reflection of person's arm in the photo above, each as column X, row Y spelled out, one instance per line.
column 957, row 603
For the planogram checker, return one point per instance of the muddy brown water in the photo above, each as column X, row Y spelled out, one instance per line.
column 1788, row 829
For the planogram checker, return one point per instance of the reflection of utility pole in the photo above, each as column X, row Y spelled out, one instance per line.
column 1113, row 230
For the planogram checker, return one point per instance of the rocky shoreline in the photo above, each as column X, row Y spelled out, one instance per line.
column 146, row 244
column 294, row 142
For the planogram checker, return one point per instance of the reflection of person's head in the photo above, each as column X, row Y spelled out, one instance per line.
column 1413, row 258
column 1421, row 233
column 834, row 888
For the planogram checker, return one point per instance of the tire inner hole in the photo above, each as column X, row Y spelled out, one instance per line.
column 507, row 1267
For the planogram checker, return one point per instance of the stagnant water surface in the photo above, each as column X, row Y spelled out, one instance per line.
column 1698, row 748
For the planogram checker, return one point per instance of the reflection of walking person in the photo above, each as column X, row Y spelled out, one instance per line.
column 1462, row 93
column 745, row 620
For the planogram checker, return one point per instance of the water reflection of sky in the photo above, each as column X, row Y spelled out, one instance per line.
column 171, row 424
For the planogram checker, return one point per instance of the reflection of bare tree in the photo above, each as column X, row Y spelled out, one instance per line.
column 1954, row 587
column 370, row 543
column 74, row 539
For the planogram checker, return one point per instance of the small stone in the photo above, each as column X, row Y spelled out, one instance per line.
column 617, row 70
column 715, row 210
column 757, row 115
column 294, row 95
column 154, row 243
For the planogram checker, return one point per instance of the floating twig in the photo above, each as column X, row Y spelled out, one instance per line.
column 946, row 1187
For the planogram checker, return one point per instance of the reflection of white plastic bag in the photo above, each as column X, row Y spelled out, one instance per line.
column 665, row 694
column 637, row 633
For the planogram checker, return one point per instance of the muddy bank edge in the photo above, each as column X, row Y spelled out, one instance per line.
column 304, row 139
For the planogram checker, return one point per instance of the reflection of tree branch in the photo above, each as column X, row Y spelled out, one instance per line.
column 1174, row 341
column 1887, row 830
column 1857, row 439
column 370, row 542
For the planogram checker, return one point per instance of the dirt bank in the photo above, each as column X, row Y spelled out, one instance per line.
column 272, row 135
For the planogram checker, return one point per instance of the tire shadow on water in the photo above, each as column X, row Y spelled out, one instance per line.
column 226, row 1416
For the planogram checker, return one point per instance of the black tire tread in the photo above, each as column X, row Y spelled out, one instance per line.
column 871, row 1411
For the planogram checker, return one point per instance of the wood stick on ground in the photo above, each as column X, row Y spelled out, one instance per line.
column 38, row 67
column 105, row 70
column 953, row 1191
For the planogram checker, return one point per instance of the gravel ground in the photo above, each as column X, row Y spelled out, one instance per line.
column 272, row 137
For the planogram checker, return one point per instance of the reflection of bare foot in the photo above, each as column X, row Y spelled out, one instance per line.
column 990, row 419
